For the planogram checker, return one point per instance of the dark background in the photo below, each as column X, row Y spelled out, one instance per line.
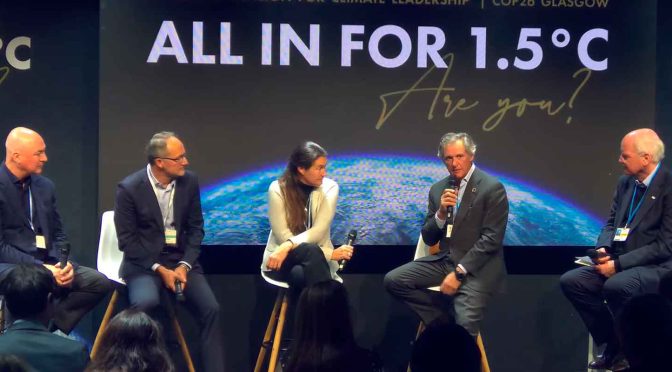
column 531, row 328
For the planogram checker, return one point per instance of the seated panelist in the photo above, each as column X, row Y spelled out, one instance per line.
column 301, row 208
column 157, row 214
column 31, row 230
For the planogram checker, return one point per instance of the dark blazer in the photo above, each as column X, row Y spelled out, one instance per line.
column 17, row 239
column 478, row 230
column 44, row 351
column 650, row 239
column 139, row 224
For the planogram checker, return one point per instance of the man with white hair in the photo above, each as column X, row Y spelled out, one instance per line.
column 467, row 213
column 634, row 248
column 31, row 229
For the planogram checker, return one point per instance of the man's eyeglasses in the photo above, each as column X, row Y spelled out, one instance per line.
column 178, row 159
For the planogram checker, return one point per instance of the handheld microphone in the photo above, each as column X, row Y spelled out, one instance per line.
column 452, row 184
column 63, row 248
column 595, row 254
column 179, row 295
column 352, row 236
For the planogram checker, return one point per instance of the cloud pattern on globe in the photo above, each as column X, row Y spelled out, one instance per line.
column 384, row 198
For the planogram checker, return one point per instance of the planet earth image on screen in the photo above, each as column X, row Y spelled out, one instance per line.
column 384, row 198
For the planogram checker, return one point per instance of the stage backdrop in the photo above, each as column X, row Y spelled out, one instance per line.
column 546, row 87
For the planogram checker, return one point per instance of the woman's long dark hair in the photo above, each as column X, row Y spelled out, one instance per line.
column 132, row 342
column 303, row 156
column 323, row 332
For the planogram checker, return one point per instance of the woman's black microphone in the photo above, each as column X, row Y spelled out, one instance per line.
column 352, row 236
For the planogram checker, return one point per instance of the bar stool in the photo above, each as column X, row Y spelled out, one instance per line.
column 276, row 324
column 109, row 261
column 423, row 250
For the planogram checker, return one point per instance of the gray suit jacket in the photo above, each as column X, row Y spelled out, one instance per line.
column 478, row 230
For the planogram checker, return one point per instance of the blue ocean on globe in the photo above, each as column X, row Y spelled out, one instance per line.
column 384, row 198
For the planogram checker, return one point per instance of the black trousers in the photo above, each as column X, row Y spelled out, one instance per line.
column 304, row 266
column 409, row 284
column 146, row 291
column 598, row 299
column 88, row 288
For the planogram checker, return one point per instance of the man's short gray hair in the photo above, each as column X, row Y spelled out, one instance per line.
column 156, row 147
column 451, row 137
column 651, row 145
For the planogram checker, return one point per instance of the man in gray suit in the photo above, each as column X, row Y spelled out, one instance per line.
column 467, row 215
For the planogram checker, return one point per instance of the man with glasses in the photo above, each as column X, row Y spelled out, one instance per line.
column 634, row 249
column 31, row 230
column 159, row 225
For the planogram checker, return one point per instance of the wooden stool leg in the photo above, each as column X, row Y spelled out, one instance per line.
column 485, row 366
column 2, row 314
column 182, row 342
column 278, row 335
column 421, row 327
column 103, row 324
column 269, row 331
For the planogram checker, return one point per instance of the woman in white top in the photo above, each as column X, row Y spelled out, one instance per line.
column 302, row 204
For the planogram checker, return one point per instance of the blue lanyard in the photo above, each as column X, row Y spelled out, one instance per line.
column 631, row 212
column 30, row 202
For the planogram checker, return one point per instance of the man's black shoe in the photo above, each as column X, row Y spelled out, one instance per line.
column 613, row 363
column 601, row 362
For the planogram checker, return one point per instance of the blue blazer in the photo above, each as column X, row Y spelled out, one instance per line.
column 650, row 239
column 139, row 224
column 17, row 238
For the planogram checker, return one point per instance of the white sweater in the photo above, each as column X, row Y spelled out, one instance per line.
column 323, row 207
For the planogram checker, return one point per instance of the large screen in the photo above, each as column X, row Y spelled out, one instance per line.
column 547, row 89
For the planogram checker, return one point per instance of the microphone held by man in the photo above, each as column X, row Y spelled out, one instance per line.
column 599, row 255
column 452, row 188
column 63, row 248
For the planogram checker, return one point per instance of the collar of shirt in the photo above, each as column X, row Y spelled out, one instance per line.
column 19, row 183
column 156, row 183
column 466, row 178
column 649, row 178
column 463, row 185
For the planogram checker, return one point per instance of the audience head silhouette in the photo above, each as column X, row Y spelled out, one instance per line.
column 324, row 339
column 445, row 346
column 132, row 342
column 28, row 291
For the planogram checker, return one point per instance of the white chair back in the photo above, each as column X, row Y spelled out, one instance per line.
column 109, row 255
column 422, row 249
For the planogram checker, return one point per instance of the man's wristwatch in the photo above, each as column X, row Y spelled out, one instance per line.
column 460, row 275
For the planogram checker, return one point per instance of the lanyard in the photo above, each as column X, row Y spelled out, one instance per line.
column 30, row 202
column 631, row 212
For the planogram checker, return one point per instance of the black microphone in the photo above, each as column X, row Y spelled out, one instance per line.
column 452, row 184
column 352, row 236
column 595, row 254
column 63, row 248
column 178, row 291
